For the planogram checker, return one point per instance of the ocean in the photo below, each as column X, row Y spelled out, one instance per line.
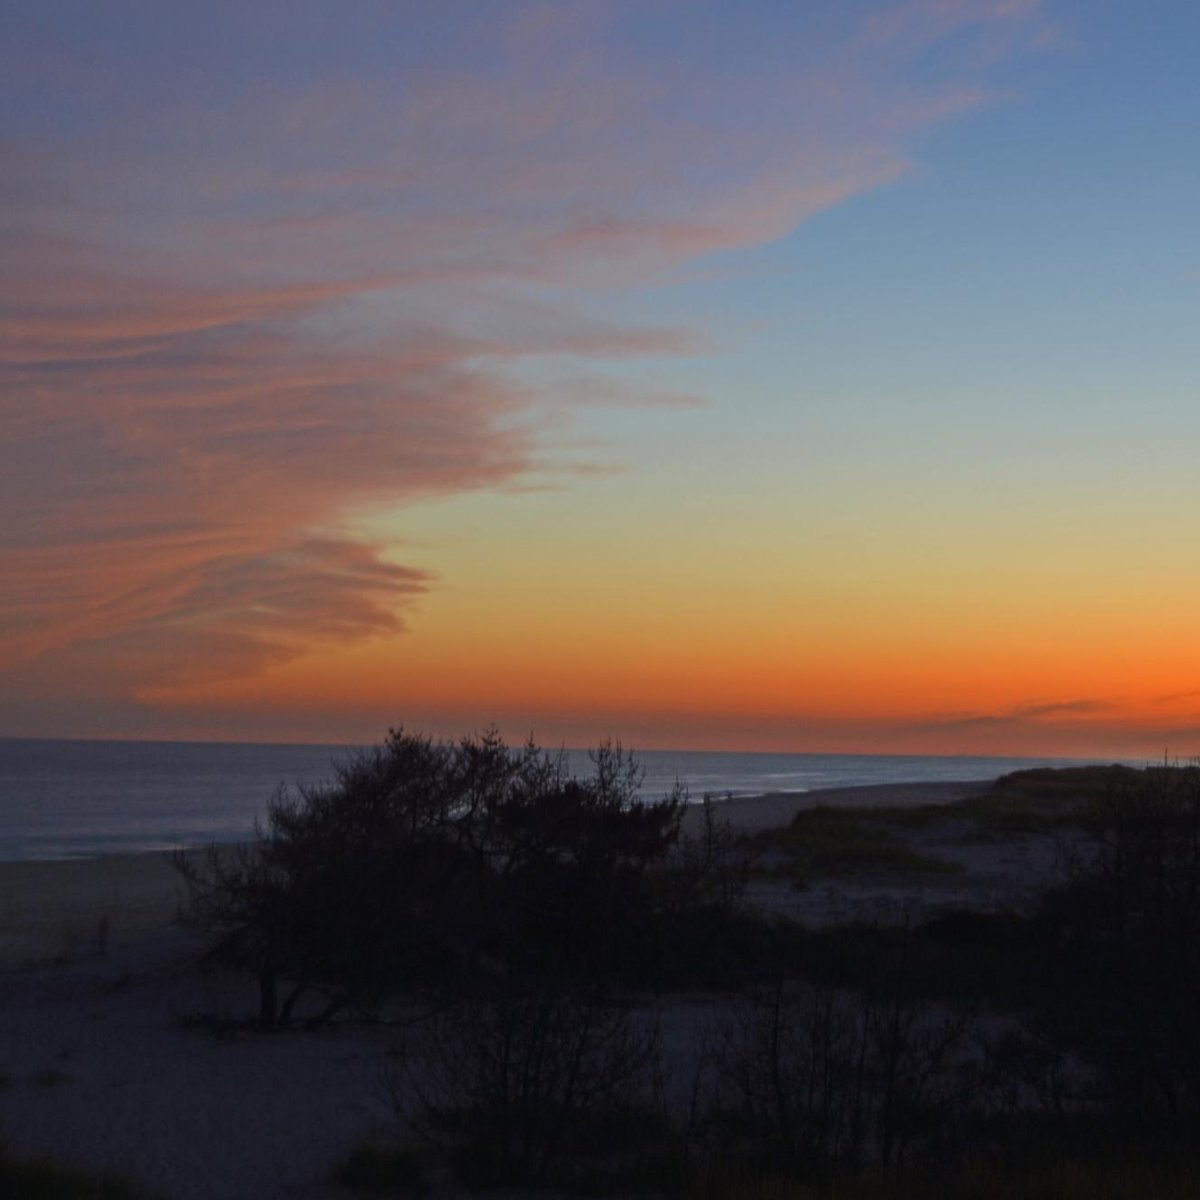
column 70, row 799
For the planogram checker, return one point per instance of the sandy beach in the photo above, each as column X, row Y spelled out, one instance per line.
column 751, row 814
column 101, row 1067
column 79, row 907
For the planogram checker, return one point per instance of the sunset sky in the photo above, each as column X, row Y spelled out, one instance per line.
column 757, row 374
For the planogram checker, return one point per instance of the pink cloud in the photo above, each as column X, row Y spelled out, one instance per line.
column 233, row 320
column 199, row 617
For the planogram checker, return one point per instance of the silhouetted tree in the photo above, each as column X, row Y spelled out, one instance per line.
column 573, row 863
column 350, row 885
column 424, row 860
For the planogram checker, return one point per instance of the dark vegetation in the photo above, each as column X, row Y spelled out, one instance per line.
column 524, row 1084
column 824, row 842
column 827, row 841
column 42, row 1179
column 537, row 923
column 382, row 1169
column 431, row 864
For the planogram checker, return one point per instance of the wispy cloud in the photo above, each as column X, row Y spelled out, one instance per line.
column 254, row 284
column 1021, row 714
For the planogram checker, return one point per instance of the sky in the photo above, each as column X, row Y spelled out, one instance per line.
column 762, row 375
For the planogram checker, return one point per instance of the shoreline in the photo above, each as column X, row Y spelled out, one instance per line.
column 60, row 910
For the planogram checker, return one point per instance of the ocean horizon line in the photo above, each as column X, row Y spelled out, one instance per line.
column 71, row 797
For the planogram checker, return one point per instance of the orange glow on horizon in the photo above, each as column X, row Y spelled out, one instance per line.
column 926, row 688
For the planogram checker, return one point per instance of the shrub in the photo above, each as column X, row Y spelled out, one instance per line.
column 1125, row 932
column 429, row 861
column 519, row 1084
column 816, row 1080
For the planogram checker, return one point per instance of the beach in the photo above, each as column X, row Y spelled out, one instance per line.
column 106, row 1062
column 69, row 909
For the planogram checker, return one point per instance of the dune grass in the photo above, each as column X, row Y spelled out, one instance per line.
column 827, row 841
column 824, row 842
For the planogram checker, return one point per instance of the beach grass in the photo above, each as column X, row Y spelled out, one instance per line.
column 824, row 842
column 828, row 841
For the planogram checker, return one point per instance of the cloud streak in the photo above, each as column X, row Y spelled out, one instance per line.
column 255, row 286
column 1021, row 715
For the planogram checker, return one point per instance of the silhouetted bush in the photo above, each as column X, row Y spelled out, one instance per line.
column 815, row 1080
column 355, row 886
column 711, row 869
column 427, row 862
column 529, row 1085
column 1124, row 935
column 573, row 862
